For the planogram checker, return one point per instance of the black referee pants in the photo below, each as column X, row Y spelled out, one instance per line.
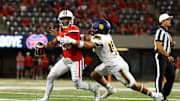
column 164, row 68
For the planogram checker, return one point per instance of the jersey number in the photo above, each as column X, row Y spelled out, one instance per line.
column 112, row 48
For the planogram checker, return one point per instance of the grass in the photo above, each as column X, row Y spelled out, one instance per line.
column 28, row 90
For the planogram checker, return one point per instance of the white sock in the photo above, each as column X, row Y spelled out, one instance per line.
column 153, row 94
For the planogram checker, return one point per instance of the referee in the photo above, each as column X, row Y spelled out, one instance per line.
column 163, row 59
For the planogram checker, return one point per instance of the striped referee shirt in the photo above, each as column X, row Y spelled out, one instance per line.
column 165, row 37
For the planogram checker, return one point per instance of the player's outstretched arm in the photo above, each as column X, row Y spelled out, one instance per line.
column 84, row 44
column 78, row 43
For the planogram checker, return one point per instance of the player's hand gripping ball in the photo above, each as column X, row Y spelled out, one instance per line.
column 68, row 46
column 66, row 42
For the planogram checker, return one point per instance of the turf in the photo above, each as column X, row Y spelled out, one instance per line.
column 28, row 90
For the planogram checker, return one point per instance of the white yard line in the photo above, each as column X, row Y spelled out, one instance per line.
column 71, row 97
column 67, row 88
column 110, row 98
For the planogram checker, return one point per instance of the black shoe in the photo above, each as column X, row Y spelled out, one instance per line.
column 165, row 99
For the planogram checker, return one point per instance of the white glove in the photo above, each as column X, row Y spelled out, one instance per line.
column 60, row 39
column 69, row 40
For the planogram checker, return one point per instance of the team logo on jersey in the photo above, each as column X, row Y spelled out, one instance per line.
column 33, row 39
column 101, row 26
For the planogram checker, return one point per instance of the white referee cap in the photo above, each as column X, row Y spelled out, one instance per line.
column 164, row 16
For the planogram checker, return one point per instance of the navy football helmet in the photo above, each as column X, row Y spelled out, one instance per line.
column 101, row 26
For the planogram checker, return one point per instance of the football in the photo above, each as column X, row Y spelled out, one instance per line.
column 68, row 46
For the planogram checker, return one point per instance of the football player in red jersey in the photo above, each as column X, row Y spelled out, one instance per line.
column 72, row 60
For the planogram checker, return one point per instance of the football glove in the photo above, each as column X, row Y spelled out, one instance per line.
column 66, row 40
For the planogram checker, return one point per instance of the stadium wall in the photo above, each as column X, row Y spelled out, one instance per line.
column 144, row 42
column 139, row 56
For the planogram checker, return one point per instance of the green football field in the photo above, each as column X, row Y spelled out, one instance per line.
column 28, row 90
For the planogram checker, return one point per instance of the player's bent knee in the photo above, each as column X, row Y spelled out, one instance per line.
column 51, row 77
column 95, row 75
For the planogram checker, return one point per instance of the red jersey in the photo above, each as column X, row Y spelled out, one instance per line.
column 45, row 62
column 178, row 64
column 74, row 53
column 87, row 60
column 28, row 61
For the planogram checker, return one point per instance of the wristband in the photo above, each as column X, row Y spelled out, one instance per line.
column 82, row 37
column 81, row 44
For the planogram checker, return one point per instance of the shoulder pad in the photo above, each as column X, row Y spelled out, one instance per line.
column 73, row 27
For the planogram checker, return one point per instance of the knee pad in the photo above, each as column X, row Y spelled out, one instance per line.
column 93, row 74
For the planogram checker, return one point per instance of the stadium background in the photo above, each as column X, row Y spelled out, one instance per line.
column 133, row 25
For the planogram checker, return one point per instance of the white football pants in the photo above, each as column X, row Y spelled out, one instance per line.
column 63, row 66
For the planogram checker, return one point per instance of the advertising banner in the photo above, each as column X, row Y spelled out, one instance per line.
column 23, row 41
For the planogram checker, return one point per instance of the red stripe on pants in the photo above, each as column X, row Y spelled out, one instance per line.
column 79, row 69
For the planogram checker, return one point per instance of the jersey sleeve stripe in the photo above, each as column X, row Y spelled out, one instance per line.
column 73, row 31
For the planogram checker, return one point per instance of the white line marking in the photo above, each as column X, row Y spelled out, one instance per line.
column 67, row 88
column 71, row 97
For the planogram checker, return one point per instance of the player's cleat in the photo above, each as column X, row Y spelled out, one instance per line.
column 165, row 99
column 96, row 93
column 108, row 92
column 158, row 97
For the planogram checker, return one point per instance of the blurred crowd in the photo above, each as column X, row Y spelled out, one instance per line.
column 32, row 67
column 127, row 17
column 29, row 66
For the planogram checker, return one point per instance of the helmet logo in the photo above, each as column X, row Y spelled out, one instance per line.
column 101, row 26
column 65, row 13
